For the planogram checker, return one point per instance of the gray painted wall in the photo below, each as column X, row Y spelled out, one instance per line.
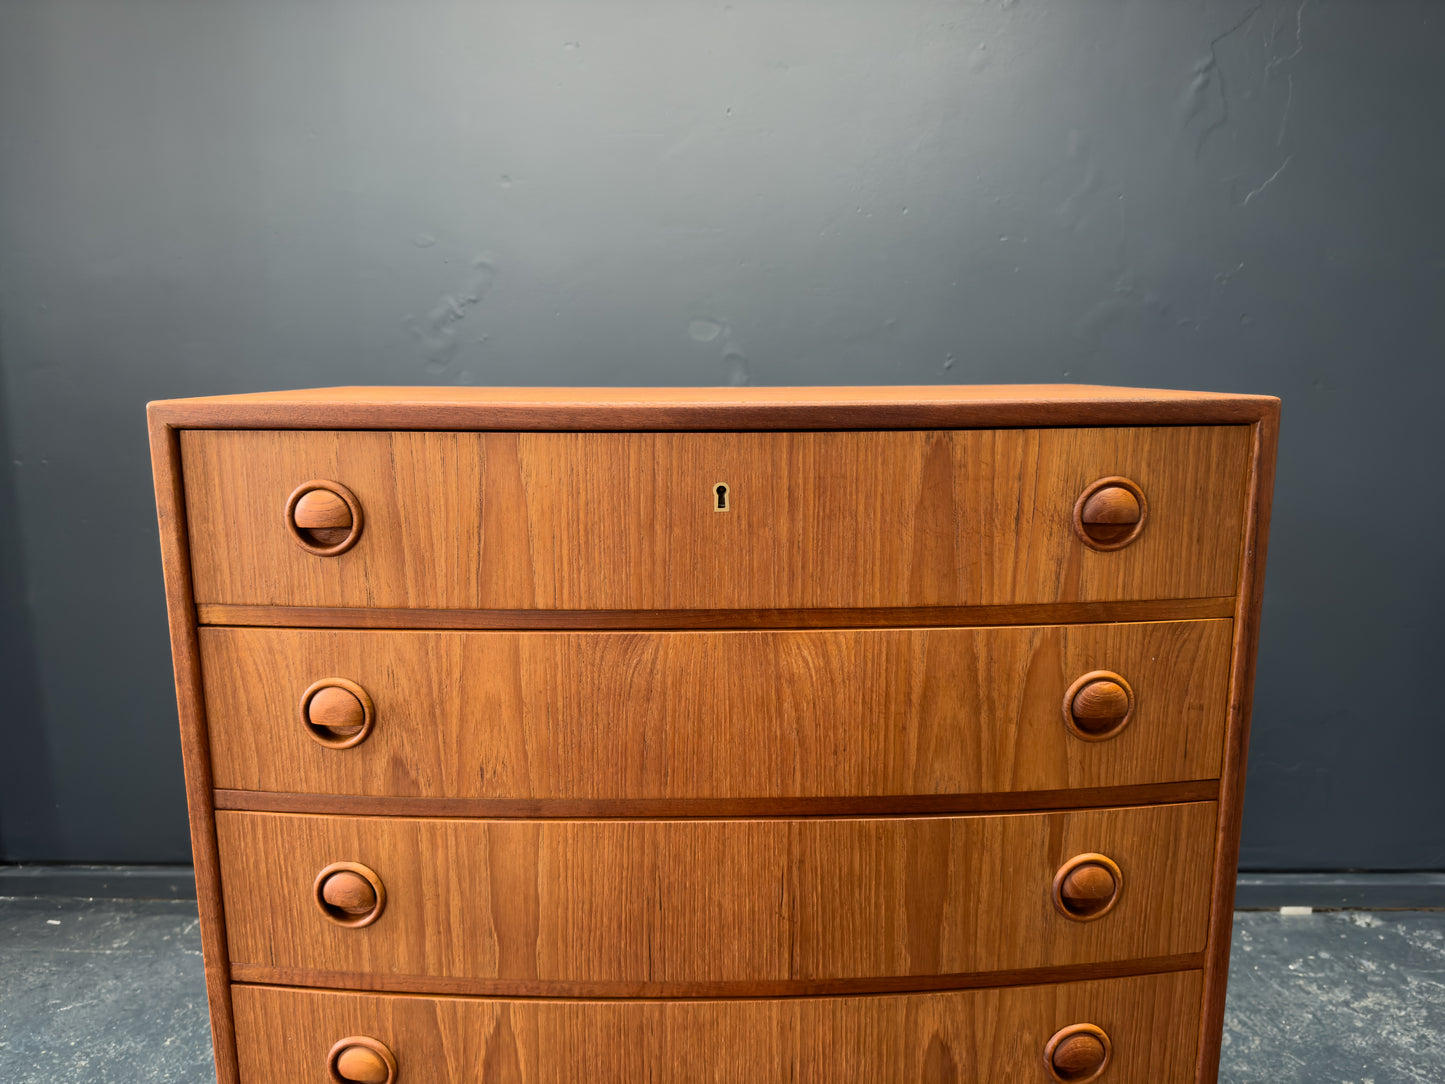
column 201, row 197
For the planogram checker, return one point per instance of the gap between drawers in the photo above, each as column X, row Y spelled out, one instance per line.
column 1038, row 801
column 1051, row 613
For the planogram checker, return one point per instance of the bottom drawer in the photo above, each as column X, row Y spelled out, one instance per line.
column 1148, row 1025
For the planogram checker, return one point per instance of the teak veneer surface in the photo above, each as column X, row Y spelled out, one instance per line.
column 626, row 520
column 917, row 407
column 583, row 509
column 995, row 1036
column 656, row 715
column 694, row 901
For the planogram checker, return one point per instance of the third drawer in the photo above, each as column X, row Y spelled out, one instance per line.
column 603, row 716
column 699, row 907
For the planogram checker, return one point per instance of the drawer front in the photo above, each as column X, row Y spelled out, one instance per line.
column 994, row 1035
column 669, row 907
column 629, row 520
column 680, row 715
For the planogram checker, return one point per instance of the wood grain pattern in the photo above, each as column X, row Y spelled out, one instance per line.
column 652, row 903
column 920, row 407
column 689, row 715
column 625, row 520
column 1055, row 613
column 1264, row 444
column 996, row 1035
column 195, row 747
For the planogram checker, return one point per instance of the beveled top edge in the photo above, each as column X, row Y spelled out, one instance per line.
column 856, row 407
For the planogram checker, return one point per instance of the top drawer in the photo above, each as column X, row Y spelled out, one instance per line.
column 518, row 521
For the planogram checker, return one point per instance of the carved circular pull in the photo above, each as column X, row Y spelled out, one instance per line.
column 361, row 1060
column 350, row 894
column 1078, row 1053
column 1087, row 887
column 1098, row 705
column 1110, row 513
column 337, row 713
column 323, row 517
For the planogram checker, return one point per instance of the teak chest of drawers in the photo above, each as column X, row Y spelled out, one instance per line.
column 831, row 735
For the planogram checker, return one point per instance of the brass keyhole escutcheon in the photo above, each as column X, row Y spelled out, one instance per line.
column 720, row 497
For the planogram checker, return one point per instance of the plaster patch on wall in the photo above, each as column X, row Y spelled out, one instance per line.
column 703, row 329
column 1245, row 83
column 439, row 331
column 1208, row 94
column 1073, row 209
column 711, row 329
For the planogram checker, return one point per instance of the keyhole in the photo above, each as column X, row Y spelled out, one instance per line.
column 721, row 490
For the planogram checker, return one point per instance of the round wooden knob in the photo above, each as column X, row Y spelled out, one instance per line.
column 1113, row 505
column 322, row 510
column 363, row 1065
column 323, row 517
column 1087, row 887
column 349, row 894
column 361, row 1060
column 337, row 709
column 1110, row 513
column 1098, row 705
column 1078, row 1053
column 337, row 713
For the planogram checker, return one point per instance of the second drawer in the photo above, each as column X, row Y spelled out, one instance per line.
column 723, row 906
column 720, row 715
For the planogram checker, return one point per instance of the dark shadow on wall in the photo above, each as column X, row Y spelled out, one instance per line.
column 26, row 790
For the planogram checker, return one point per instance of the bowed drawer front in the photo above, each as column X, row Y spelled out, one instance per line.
column 719, row 715
column 705, row 906
column 998, row 1036
column 835, row 735
column 628, row 521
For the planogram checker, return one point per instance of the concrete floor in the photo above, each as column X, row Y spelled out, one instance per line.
column 100, row 991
